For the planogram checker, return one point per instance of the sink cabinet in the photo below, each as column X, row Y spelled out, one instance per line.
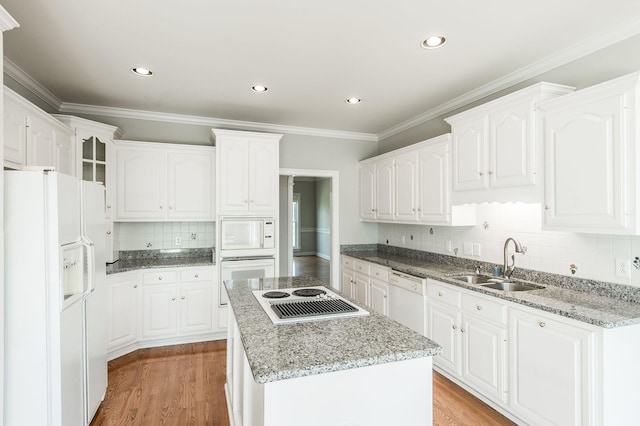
column 592, row 158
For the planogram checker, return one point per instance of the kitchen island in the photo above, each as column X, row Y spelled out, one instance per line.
column 366, row 370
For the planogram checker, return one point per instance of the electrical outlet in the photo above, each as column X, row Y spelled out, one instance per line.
column 467, row 249
column 178, row 241
column 476, row 249
column 193, row 235
column 623, row 268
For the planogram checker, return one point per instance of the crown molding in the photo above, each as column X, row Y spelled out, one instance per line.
column 72, row 108
column 571, row 53
column 6, row 20
column 25, row 80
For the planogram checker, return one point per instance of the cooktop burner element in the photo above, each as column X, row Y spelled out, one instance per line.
column 275, row 294
column 293, row 305
column 308, row 292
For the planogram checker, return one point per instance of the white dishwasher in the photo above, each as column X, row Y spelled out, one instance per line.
column 407, row 301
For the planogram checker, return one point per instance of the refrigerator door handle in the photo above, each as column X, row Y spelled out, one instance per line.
column 90, row 251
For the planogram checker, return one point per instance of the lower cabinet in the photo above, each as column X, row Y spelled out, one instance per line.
column 552, row 369
column 366, row 283
column 162, row 306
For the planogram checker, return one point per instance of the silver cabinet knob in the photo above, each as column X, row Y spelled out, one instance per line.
column 160, row 277
column 454, row 327
column 490, row 172
column 108, row 206
column 542, row 324
column 547, row 208
column 173, row 298
column 479, row 307
column 196, row 275
column 160, row 207
column 108, row 232
column 135, row 286
column 481, row 173
column 462, row 330
column 440, row 294
column 183, row 297
column 170, row 207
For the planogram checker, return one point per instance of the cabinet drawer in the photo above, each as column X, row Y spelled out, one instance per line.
column 196, row 275
column 347, row 262
column 362, row 267
column 379, row 272
column 160, row 277
column 487, row 309
column 443, row 294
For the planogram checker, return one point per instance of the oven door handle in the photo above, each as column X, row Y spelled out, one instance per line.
column 236, row 259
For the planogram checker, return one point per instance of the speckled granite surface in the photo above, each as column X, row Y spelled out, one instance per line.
column 285, row 351
column 605, row 305
column 148, row 259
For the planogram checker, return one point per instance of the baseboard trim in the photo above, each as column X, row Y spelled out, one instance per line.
column 154, row 343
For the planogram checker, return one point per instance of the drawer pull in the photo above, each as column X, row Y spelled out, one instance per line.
column 173, row 298
column 135, row 286
column 196, row 275
column 183, row 297
column 160, row 277
column 479, row 307
column 454, row 327
column 542, row 324
column 440, row 294
column 462, row 330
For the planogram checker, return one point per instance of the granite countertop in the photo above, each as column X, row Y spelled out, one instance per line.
column 285, row 351
column 591, row 307
column 150, row 259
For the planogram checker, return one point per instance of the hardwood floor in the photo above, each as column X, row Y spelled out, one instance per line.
column 312, row 266
column 184, row 385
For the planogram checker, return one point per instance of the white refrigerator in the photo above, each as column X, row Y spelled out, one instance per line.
column 55, row 336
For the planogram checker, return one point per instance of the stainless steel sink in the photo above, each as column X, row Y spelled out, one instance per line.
column 475, row 279
column 511, row 286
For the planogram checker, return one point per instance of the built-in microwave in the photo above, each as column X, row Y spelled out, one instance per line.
column 247, row 236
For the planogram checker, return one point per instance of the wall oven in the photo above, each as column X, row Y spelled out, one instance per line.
column 243, row 269
column 247, row 236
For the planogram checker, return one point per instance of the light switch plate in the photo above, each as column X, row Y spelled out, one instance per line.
column 476, row 249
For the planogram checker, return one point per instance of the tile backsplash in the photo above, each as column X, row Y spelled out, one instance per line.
column 163, row 235
column 591, row 256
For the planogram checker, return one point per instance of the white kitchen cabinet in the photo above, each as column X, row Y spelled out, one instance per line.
column 444, row 320
column 405, row 185
column 348, row 277
column 368, row 190
column 591, row 159
column 122, row 309
column 497, row 155
column 160, row 311
column 34, row 138
column 552, row 380
column 385, row 188
column 361, row 285
column 367, row 283
column 379, row 296
column 156, row 182
column 248, row 170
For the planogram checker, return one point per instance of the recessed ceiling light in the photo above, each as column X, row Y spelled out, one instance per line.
column 433, row 42
column 142, row 71
column 353, row 101
column 259, row 89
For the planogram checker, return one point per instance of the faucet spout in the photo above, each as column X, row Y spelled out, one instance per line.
column 509, row 268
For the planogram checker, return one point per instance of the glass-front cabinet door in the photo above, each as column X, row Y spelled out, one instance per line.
column 94, row 159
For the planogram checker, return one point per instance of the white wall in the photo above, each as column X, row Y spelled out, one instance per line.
column 554, row 252
column 162, row 235
column 323, row 218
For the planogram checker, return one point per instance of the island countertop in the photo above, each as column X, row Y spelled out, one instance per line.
column 285, row 351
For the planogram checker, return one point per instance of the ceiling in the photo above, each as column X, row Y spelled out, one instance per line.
column 206, row 54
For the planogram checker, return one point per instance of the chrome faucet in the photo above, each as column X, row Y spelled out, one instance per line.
column 508, row 269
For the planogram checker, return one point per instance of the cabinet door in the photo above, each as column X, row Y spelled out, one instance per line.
column 41, row 143
column 384, row 189
column 484, row 349
column 15, row 135
column 190, row 179
column 585, row 173
column 553, row 385
column 511, row 146
column 196, row 307
column 122, row 308
column 380, row 297
column 65, row 160
column 433, row 183
column 347, row 283
column 406, row 170
column 141, row 184
column 234, row 176
column 368, row 191
column 263, row 176
column 361, row 289
column 159, row 311
column 469, row 162
column 444, row 327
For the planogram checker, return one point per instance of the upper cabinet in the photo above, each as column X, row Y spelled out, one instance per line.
column 156, row 181
column 496, row 148
column 412, row 185
column 591, row 159
column 248, row 170
column 34, row 138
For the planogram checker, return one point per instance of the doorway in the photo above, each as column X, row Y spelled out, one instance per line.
column 308, row 225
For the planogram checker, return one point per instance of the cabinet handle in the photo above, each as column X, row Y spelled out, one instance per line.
column 542, row 324
column 455, row 327
column 481, row 173
column 479, row 307
column 108, row 206
column 440, row 294
column 183, row 297
column 135, row 286
column 196, row 275
column 385, row 296
column 246, row 201
column 108, row 232
column 419, row 209
column 161, row 207
column 490, row 172
column 170, row 207
column 462, row 330
column 251, row 201
column 413, row 210
column 173, row 298
column 160, row 277
column 547, row 208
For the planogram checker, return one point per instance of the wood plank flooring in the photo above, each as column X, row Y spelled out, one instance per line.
column 184, row 385
column 312, row 266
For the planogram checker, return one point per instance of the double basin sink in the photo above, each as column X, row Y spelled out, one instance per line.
column 496, row 283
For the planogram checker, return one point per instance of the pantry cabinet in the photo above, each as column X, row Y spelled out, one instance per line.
column 34, row 138
column 412, row 185
column 592, row 158
column 552, row 379
column 497, row 154
column 248, row 170
column 156, row 182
